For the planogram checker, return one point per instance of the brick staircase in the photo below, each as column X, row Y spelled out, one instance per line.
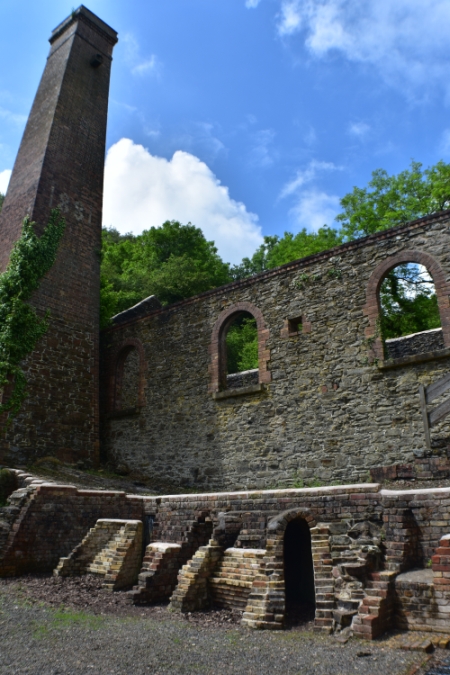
column 158, row 577
column 375, row 614
column 192, row 591
column 112, row 549
column 233, row 579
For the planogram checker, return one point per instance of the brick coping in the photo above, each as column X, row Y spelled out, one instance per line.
column 390, row 233
column 419, row 491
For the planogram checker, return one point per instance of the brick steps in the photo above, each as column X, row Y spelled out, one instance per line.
column 233, row 579
column 376, row 612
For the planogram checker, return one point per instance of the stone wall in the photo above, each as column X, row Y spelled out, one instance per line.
column 417, row 343
column 324, row 408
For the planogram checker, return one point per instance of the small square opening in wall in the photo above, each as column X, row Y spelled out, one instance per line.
column 295, row 326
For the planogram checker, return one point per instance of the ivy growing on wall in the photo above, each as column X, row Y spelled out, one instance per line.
column 20, row 327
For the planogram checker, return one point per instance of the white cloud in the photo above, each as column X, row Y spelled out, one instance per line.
column 15, row 118
column 312, row 208
column 304, row 176
column 406, row 40
column 262, row 155
column 315, row 209
column 139, row 66
column 359, row 129
column 444, row 145
column 251, row 4
column 142, row 190
column 4, row 180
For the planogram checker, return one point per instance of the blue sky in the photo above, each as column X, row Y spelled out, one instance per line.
column 247, row 117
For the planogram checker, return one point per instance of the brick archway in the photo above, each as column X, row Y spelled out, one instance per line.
column 372, row 307
column 217, row 349
column 267, row 602
column 117, row 361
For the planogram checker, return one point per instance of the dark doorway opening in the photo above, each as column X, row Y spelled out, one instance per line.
column 299, row 573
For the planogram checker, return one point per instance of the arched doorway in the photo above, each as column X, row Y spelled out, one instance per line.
column 298, row 573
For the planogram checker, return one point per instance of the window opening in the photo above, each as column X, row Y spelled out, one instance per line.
column 409, row 320
column 241, row 343
column 299, row 573
column 295, row 326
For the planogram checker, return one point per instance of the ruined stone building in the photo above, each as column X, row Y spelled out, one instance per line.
column 328, row 402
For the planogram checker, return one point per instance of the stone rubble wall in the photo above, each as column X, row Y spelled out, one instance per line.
column 112, row 549
column 417, row 343
column 328, row 413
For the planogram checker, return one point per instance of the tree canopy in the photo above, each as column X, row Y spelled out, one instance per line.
column 2, row 199
column 173, row 262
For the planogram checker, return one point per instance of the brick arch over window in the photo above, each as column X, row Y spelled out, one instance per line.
column 217, row 368
column 372, row 307
column 117, row 362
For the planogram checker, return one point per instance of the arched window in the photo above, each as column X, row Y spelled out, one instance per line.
column 408, row 306
column 239, row 357
column 409, row 320
column 127, row 386
column 241, row 346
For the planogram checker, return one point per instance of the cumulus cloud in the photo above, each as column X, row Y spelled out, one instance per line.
column 312, row 207
column 251, row 4
column 142, row 190
column 4, row 180
column 406, row 40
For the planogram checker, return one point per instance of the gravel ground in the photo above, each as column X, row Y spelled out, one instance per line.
column 110, row 637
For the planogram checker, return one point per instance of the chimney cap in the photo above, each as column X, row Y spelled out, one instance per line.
column 85, row 14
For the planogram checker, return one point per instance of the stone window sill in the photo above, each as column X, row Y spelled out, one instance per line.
column 128, row 412
column 412, row 360
column 242, row 391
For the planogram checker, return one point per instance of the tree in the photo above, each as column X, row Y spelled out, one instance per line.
column 394, row 200
column 2, row 199
column 173, row 262
column 242, row 345
column 277, row 251
column 408, row 301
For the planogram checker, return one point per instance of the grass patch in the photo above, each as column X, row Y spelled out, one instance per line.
column 61, row 619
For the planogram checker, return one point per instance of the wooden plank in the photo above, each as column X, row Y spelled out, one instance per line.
column 438, row 413
column 423, row 406
column 437, row 388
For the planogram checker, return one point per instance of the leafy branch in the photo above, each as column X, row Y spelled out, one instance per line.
column 20, row 327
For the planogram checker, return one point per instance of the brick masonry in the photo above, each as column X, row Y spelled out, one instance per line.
column 326, row 404
column 60, row 163
column 364, row 541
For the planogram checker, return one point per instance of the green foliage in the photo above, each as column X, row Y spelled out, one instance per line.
column 242, row 345
column 394, row 200
column 172, row 262
column 20, row 327
column 2, row 199
column 408, row 301
column 278, row 251
column 8, row 483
